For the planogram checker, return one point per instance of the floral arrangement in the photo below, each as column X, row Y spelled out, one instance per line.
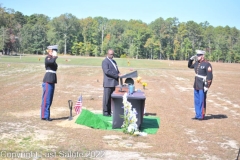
column 130, row 120
column 139, row 79
column 144, row 84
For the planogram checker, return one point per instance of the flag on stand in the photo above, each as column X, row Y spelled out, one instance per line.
column 78, row 106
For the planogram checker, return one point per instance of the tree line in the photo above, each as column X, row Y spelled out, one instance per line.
column 93, row 36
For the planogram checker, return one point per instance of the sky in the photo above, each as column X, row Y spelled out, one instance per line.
column 216, row 12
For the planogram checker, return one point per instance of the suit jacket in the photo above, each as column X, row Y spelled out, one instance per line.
column 110, row 73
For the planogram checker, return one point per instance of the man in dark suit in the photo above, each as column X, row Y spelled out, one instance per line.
column 110, row 80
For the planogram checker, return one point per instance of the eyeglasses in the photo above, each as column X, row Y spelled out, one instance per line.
column 199, row 55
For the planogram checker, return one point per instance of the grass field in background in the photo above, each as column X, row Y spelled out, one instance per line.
column 169, row 96
column 88, row 61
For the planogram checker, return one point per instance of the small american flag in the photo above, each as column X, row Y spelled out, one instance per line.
column 78, row 106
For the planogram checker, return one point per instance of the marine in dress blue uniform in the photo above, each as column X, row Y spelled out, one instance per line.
column 49, row 81
column 203, row 80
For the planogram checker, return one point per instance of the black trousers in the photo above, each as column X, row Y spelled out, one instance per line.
column 107, row 99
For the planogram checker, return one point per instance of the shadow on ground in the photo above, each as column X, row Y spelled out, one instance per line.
column 150, row 114
column 61, row 118
column 217, row 116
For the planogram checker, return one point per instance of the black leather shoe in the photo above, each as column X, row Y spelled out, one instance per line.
column 197, row 118
column 48, row 119
column 107, row 115
column 43, row 118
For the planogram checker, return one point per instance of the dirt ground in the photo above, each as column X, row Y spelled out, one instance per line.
column 169, row 95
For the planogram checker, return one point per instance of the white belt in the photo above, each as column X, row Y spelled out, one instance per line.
column 204, row 77
column 51, row 71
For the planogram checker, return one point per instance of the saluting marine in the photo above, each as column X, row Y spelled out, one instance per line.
column 203, row 80
column 49, row 81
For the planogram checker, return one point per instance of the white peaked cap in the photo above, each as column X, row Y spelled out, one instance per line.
column 200, row 52
column 53, row 47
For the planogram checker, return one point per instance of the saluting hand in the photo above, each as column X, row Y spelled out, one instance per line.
column 54, row 53
column 193, row 57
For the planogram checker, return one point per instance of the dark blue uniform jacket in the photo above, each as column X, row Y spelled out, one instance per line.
column 50, row 65
column 202, row 69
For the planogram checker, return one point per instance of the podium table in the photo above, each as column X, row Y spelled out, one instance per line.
column 137, row 99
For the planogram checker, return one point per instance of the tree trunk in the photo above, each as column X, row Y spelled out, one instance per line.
column 151, row 53
column 160, row 49
column 137, row 53
column 102, row 41
column 65, row 46
column 209, row 47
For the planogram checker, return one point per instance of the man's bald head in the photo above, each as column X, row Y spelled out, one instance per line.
column 110, row 53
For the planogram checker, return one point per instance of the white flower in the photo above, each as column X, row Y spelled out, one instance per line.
column 134, row 126
column 142, row 134
column 128, row 106
column 133, row 120
column 125, row 97
column 130, row 128
column 136, row 133
column 130, row 119
column 134, row 111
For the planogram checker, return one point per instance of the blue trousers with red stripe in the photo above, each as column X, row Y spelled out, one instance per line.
column 200, row 103
column 47, row 97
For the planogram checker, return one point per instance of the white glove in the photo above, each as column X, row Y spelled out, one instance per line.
column 205, row 89
column 193, row 57
column 54, row 54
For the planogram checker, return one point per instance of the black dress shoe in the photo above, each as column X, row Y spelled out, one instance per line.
column 48, row 119
column 197, row 118
column 107, row 115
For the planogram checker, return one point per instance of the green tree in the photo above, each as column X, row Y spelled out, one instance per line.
column 136, row 36
column 176, row 49
column 26, row 38
column 90, row 32
column 158, row 28
column 64, row 31
column 102, row 27
column 116, row 37
column 195, row 34
column 33, row 35
column 152, row 48
column 20, row 18
column 4, row 38
column 182, row 33
column 187, row 48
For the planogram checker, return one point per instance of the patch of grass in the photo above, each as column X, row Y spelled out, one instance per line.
column 25, row 144
column 87, row 61
column 20, row 85
column 27, row 138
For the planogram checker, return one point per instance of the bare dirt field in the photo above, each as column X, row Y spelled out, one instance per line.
column 169, row 95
